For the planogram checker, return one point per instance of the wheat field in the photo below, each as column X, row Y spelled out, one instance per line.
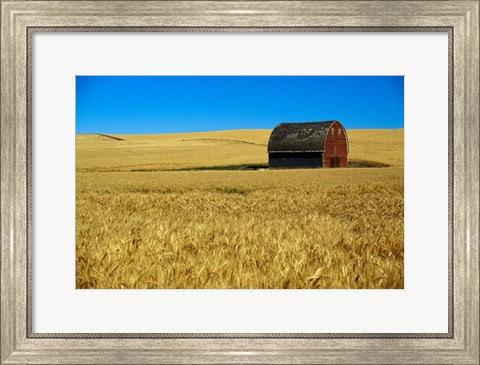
column 180, row 211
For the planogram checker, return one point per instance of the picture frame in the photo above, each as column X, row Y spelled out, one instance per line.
column 20, row 18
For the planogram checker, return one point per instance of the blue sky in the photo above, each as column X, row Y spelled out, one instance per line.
column 171, row 104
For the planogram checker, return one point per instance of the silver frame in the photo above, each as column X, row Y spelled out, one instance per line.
column 20, row 19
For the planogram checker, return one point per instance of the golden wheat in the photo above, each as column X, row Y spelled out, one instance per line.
column 240, row 229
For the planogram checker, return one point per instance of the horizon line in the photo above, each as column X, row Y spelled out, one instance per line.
column 223, row 130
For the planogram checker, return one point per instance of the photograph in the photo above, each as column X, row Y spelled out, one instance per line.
column 239, row 182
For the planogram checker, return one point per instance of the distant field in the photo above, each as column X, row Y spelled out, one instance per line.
column 142, row 225
column 191, row 150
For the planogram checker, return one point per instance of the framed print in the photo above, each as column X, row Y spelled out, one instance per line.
column 239, row 182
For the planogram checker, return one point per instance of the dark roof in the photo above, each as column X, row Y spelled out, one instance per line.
column 302, row 137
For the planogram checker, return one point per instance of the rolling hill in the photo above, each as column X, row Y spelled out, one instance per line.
column 156, row 152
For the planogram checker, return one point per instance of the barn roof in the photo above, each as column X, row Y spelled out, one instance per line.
column 299, row 137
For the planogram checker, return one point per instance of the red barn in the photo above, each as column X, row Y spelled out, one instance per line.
column 308, row 145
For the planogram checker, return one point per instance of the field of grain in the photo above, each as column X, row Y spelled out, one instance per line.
column 152, row 211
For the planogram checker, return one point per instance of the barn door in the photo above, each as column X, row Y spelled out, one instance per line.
column 332, row 161
column 334, row 158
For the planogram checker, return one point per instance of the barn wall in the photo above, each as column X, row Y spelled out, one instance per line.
column 295, row 160
column 336, row 149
